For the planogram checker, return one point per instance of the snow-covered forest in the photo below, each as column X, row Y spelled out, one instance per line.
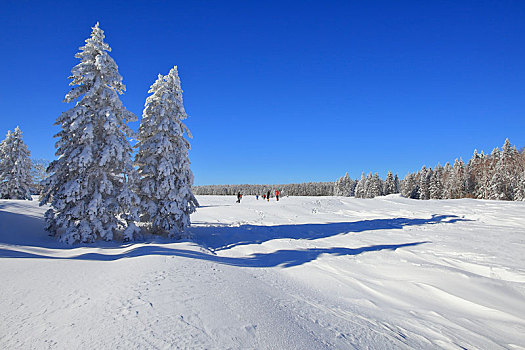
column 500, row 176
column 300, row 189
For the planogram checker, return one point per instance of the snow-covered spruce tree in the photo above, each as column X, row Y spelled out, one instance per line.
column 15, row 167
column 436, row 185
column 344, row 186
column 397, row 186
column 482, row 172
column 424, row 183
column 89, row 186
column 368, row 185
column 360, row 187
column 339, row 187
column 409, row 186
column 376, row 187
column 519, row 194
column 459, row 179
column 447, row 181
column 165, row 177
column 389, row 185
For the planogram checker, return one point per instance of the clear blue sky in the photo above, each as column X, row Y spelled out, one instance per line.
column 282, row 91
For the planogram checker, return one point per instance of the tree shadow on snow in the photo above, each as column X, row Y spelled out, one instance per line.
column 283, row 258
column 220, row 237
column 28, row 230
column 22, row 235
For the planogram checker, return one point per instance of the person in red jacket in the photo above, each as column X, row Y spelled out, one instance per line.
column 277, row 194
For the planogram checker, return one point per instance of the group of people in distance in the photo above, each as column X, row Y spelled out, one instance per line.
column 264, row 196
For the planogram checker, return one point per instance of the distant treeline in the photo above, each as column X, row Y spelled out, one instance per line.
column 500, row 175
column 303, row 189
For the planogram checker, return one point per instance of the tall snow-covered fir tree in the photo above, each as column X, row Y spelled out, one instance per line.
column 165, row 177
column 15, row 167
column 89, row 186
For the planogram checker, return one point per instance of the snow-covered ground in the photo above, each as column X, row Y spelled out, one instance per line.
column 301, row 273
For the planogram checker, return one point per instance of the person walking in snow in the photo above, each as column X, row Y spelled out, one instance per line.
column 257, row 196
column 277, row 195
column 268, row 195
column 239, row 196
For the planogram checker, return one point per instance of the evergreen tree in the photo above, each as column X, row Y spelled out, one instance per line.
column 397, row 186
column 409, row 187
column 89, row 186
column 347, row 185
column 390, row 186
column 510, row 166
column 519, row 193
column 360, row 187
column 15, row 167
column 375, row 187
column 338, row 187
column 424, row 183
column 447, row 181
column 368, row 185
column 436, row 184
column 163, row 164
column 459, row 176
column 471, row 176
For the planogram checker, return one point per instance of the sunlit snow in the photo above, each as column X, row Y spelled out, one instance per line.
column 301, row 273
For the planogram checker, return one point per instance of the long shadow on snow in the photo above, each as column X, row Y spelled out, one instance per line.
column 28, row 230
column 284, row 258
column 220, row 237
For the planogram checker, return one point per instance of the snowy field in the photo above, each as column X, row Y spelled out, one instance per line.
column 301, row 273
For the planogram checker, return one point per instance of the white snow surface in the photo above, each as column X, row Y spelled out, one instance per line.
column 301, row 273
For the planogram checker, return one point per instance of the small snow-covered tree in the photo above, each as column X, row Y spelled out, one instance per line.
column 409, row 186
column 360, row 187
column 389, row 184
column 338, row 187
column 344, row 186
column 458, row 180
column 15, row 167
column 165, row 177
column 368, row 185
column 519, row 193
column 424, row 183
column 89, row 186
column 375, row 186
column 436, row 184
column 397, row 186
